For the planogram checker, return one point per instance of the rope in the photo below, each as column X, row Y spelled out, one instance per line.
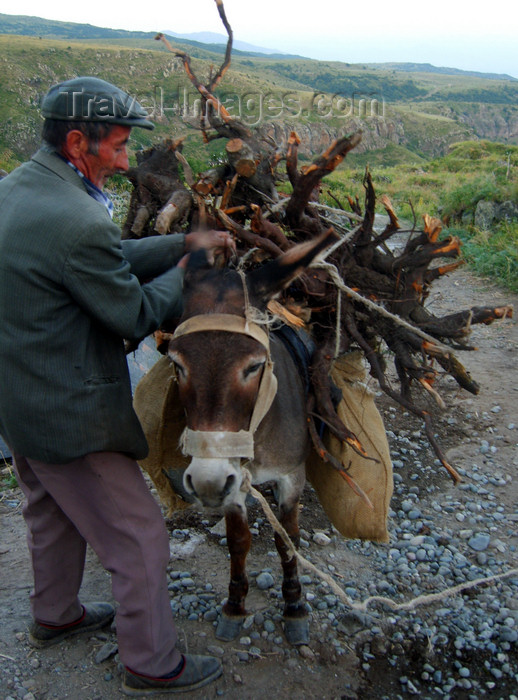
column 252, row 313
column 340, row 284
column 338, row 325
column 343, row 239
column 247, row 299
column 362, row 607
column 333, row 273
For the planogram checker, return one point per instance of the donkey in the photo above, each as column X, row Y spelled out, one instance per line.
column 244, row 399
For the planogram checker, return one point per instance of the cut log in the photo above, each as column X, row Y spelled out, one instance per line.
column 157, row 183
column 174, row 211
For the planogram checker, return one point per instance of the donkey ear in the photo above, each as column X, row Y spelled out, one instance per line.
column 197, row 261
column 270, row 279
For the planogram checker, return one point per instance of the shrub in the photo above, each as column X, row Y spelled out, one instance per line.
column 493, row 254
column 465, row 197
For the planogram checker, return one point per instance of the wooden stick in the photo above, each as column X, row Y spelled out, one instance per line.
column 228, row 51
column 204, row 92
column 248, row 237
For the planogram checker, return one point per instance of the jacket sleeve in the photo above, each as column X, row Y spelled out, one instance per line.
column 99, row 278
column 149, row 257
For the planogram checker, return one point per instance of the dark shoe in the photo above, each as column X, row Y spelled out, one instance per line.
column 95, row 616
column 197, row 671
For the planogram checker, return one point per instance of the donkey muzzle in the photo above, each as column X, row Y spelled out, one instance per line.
column 213, row 481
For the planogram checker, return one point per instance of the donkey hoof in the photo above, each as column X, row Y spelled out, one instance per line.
column 228, row 627
column 296, row 630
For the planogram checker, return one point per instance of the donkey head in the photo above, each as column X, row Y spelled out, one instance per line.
column 224, row 370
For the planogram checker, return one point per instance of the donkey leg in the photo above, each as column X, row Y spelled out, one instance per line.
column 238, row 539
column 296, row 623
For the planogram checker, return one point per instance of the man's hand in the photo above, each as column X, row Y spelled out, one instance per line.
column 213, row 241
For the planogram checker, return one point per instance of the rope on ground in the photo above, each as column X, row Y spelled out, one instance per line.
column 362, row 607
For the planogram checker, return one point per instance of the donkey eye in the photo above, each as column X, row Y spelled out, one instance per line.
column 253, row 369
column 178, row 367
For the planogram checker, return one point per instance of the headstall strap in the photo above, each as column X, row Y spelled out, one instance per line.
column 223, row 322
column 217, row 445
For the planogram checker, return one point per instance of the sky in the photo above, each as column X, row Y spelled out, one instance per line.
column 453, row 33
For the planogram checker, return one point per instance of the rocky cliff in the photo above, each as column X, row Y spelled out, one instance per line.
column 316, row 137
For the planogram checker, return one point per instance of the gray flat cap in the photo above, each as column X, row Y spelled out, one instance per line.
column 93, row 100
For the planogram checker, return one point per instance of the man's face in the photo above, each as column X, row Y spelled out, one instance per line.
column 111, row 156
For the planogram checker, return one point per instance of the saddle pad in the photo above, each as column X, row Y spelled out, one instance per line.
column 163, row 420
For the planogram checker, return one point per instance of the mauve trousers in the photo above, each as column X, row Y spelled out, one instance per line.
column 101, row 499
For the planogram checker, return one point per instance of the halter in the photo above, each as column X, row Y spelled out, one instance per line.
column 226, row 444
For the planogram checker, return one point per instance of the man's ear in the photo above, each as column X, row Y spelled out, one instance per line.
column 76, row 144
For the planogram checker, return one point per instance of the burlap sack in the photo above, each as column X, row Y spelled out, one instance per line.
column 163, row 420
column 348, row 512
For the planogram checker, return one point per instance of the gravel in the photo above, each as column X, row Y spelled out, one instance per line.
column 440, row 537
column 427, row 553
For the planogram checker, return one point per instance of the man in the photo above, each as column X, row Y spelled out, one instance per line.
column 70, row 292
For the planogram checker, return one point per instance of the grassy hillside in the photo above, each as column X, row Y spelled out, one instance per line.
column 449, row 186
column 425, row 127
column 428, row 68
column 29, row 66
column 22, row 25
column 409, row 144
column 421, row 112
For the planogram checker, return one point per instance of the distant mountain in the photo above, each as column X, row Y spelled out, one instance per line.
column 25, row 25
column 214, row 42
column 440, row 70
column 215, row 38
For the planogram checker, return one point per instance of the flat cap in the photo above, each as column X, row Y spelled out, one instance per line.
column 93, row 100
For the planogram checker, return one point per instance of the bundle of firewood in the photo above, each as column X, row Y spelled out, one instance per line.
column 367, row 294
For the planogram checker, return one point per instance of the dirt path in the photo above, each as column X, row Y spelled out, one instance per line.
column 348, row 657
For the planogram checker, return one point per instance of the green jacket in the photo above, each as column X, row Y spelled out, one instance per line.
column 70, row 291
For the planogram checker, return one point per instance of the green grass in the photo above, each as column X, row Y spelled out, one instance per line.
column 392, row 155
column 449, row 187
column 493, row 254
column 410, row 187
column 7, row 476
